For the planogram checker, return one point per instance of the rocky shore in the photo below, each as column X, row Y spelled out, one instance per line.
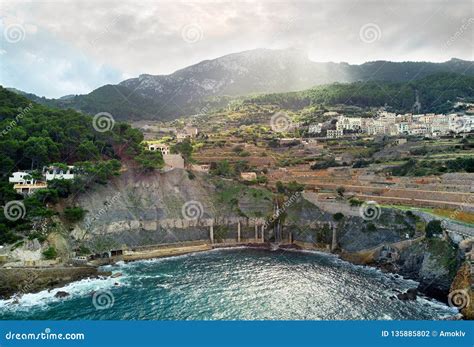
column 31, row 280
column 17, row 281
column 144, row 218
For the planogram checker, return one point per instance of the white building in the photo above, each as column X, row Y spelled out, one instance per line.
column 377, row 127
column 21, row 177
column 315, row 128
column 349, row 123
column 403, row 128
column 25, row 184
column 165, row 149
column 334, row 134
column 187, row 132
column 461, row 124
column 55, row 173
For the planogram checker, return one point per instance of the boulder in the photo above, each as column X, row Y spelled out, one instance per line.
column 410, row 294
column 61, row 294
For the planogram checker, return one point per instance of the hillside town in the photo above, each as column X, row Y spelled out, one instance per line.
column 392, row 124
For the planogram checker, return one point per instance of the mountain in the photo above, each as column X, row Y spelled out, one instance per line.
column 434, row 93
column 188, row 90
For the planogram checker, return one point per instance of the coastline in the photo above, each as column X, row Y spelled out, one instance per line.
column 25, row 280
column 39, row 279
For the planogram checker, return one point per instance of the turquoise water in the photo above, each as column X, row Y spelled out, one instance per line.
column 232, row 284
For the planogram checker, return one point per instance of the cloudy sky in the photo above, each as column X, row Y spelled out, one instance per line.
column 55, row 48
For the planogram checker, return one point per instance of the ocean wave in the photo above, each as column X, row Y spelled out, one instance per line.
column 43, row 298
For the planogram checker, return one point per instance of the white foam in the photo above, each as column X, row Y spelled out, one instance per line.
column 80, row 288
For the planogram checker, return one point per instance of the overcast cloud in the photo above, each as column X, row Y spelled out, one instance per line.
column 72, row 47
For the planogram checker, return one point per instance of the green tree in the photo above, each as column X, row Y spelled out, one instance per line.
column 74, row 214
column 150, row 161
column 50, row 253
column 433, row 228
column 338, row 216
column 185, row 149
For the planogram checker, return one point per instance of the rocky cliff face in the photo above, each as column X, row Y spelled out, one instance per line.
column 138, row 209
column 353, row 233
column 433, row 263
column 163, row 208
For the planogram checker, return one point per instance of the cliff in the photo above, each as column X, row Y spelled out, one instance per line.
column 141, row 211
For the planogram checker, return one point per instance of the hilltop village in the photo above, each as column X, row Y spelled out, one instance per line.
column 372, row 186
column 422, row 160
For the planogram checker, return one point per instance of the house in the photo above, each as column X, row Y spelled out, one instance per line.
column 25, row 184
column 55, row 173
column 191, row 131
column 334, row 134
column 401, row 141
column 315, row 128
column 173, row 161
column 180, row 136
column 21, row 177
column 248, row 176
column 165, row 149
column 346, row 123
column 187, row 132
column 29, row 188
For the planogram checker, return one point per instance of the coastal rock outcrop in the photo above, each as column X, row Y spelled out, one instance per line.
column 32, row 280
column 410, row 294
column 431, row 262
column 61, row 294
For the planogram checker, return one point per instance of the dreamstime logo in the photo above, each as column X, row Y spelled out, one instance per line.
column 459, row 299
column 370, row 32
column 103, row 299
column 192, row 33
column 14, row 122
column 203, row 110
column 14, row 33
column 105, row 31
column 370, row 210
column 103, row 121
column 101, row 212
column 355, row 136
column 460, row 125
column 417, row 106
column 280, row 122
column 192, row 210
column 14, row 210
column 293, row 199
column 464, row 27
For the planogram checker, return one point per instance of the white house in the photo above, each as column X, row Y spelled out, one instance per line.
column 25, row 184
column 21, row 177
column 187, row 132
column 55, row 173
column 165, row 149
column 334, row 134
column 346, row 123
column 315, row 128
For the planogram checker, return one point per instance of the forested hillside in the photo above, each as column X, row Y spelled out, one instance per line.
column 32, row 136
column 436, row 93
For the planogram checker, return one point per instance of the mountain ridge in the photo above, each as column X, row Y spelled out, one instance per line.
column 260, row 71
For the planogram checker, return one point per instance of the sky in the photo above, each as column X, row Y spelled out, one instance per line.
column 57, row 48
